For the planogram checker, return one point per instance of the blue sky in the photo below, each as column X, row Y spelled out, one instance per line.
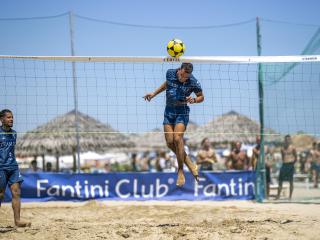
column 51, row 37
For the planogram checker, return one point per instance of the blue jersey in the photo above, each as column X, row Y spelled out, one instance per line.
column 7, row 144
column 177, row 91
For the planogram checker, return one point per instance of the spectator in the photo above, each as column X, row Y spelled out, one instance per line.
column 255, row 153
column 107, row 167
column 238, row 159
column 289, row 158
column 255, row 159
column 48, row 167
column 34, row 167
column 152, row 162
column 134, row 164
column 315, row 164
column 161, row 161
column 145, row 162
column 169, row 165
column 303, row 156
column 310, row 158
column 206, row 157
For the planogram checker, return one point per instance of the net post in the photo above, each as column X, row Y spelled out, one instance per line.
column 260, row 170
column 75, row 94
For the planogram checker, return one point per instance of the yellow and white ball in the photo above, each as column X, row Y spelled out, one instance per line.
column 176, row 48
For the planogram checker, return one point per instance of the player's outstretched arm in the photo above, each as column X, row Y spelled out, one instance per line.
column 149, row 96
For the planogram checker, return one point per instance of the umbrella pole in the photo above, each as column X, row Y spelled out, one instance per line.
column 57, row 163
column 74, row 162
column 43, row 163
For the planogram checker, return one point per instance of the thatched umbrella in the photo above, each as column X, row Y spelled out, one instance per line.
column 227, row 128
column 303, row 141
column 153, row 140
column 58, row 137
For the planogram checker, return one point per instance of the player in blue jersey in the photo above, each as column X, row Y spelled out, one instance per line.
column 179, row 85
column 9, row 171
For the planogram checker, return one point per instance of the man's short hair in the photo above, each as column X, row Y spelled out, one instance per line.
column 3, row 112
column 188, row 67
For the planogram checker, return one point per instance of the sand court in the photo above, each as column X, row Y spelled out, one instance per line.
column 164, row 220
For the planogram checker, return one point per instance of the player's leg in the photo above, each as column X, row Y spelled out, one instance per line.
column 15, row 180
column 168, row 127
column 169, row 133
column 3, row 185
column 1, row 195
column 16, row 205
column 180, row 153
column 193, row 168
column 182, row 120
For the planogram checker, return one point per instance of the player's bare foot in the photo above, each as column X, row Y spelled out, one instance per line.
column 181, row 179
column 193, row 168
column 23, row 224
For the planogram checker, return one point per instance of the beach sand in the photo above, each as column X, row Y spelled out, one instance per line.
column 163, row 220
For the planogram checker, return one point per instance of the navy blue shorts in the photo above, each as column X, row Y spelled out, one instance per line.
column 176, row 114
column 286, row 172
column 9, row 177
column 315, row 166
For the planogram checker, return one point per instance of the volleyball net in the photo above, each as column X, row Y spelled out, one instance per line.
column 102, row 98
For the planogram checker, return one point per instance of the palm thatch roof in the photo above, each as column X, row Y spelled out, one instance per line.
column 155, row 139
column 227, row 128
column 302, row 141
column 149, row 141
column 58, row 137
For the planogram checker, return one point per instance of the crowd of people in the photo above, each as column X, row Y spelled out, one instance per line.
column 280, row 162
